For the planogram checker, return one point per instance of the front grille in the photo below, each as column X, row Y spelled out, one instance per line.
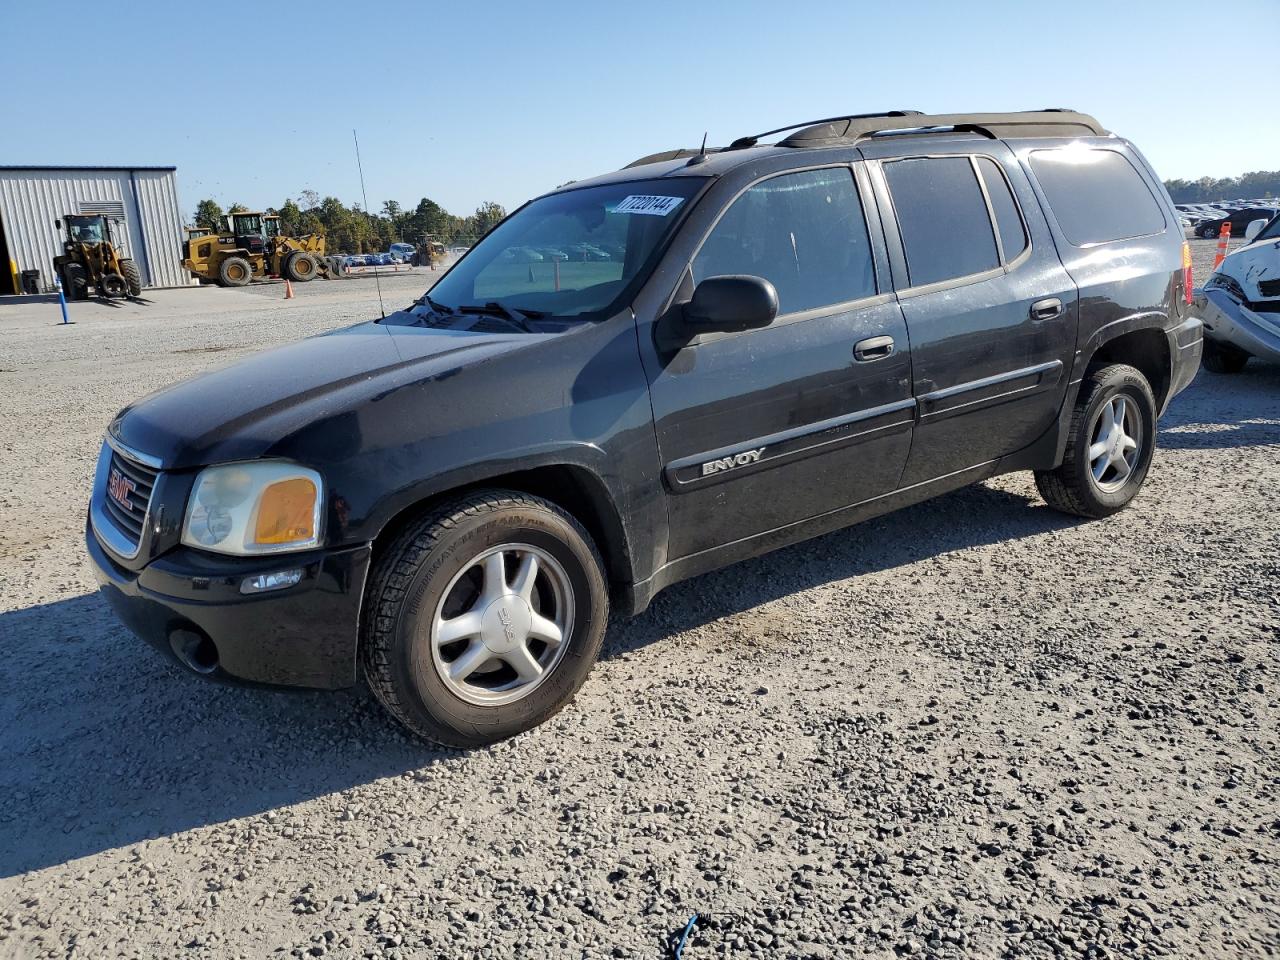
column 129, row 519
column 1269, row 288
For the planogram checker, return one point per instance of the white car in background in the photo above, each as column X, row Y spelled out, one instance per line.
column 1242, row 302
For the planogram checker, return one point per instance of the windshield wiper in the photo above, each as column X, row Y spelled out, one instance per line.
column 440, row 308
column 518, row 318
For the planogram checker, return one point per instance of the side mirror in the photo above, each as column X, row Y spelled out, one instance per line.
column 1253, row 229
column 730, row 304
column 57, row 224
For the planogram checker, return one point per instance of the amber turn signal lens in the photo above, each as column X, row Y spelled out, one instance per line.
column 286, row 512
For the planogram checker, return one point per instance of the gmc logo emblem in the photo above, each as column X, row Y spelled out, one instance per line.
column 118, row 489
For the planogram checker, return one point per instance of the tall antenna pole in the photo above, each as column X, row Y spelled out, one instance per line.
column 377, row 279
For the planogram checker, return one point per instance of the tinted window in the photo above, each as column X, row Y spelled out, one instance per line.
column 803, row 232
column 571, row 254
column 942, row 217
column 1096, row 195
column 1013, row 237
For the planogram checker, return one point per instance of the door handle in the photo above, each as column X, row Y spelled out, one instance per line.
column 1046, row 309
column 873, row 348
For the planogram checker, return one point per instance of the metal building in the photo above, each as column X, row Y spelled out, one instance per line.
column 144, row 201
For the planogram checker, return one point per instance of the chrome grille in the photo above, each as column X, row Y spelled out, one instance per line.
column 133, row 482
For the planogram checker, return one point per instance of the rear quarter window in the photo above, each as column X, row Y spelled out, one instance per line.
column 1096, row 195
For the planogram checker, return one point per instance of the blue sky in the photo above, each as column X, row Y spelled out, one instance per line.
column 471, row 101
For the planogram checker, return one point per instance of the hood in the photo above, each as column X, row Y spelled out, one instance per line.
column 241, row 411
column 1256, row 268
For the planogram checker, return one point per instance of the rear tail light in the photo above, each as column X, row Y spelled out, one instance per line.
column 1186, row 272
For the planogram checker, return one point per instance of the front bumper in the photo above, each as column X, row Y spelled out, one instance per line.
column 301, row 636
column 1228, row 320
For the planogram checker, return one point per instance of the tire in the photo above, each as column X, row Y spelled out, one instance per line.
column 75, row 282
column 113, row 286
column 439, row 569
column 1207, row 233
column 132, row 278
column 1223, row 357
column 1073, row 487
column 235, row 272
column 301, row 267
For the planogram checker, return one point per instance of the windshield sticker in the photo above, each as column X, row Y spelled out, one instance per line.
column 652, row 206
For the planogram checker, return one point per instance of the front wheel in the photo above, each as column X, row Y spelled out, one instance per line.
column 1110, row 444
column 300, row 267
column 484, row 618
column 1223, row 357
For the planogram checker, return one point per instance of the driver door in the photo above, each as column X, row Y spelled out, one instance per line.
column 764, row 428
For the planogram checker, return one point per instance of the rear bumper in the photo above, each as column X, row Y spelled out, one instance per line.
column 1186, row 345
column 302, row 636
column 1229, row 321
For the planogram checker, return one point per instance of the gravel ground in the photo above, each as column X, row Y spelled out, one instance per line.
column 971, row 728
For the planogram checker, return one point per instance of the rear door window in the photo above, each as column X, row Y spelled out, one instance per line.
column 803, row 232
column 942, row 216
column 1013, row 235
column 1096, row 195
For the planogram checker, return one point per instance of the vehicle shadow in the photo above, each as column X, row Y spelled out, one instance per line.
column 107, row 744
column 1244, row 411
column 970, row 517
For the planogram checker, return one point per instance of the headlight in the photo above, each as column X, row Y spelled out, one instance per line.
column 253, row 508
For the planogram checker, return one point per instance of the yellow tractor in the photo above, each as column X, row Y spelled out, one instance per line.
column 252, row 246
column 90, row 260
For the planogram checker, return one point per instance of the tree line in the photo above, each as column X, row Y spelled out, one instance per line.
column 1259, row 183
column 351, row 229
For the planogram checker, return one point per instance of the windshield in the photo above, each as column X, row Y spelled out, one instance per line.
column 86, row 230
column 571, row 255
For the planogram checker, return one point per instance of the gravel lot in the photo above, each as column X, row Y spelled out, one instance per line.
column 971, row 728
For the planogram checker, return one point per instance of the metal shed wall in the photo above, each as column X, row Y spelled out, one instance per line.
column 32, row 198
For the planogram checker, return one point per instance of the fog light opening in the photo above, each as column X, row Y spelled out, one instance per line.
column 265, row 582
column 195, row 650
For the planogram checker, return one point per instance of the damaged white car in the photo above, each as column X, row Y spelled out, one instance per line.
column 1242, row 302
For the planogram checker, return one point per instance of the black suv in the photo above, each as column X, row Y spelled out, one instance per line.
column 638, row 378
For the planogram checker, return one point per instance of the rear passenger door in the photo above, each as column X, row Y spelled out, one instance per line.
column 990, row 311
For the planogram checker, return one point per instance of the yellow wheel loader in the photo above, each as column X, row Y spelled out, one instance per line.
column 253, row 247
column 89, row 260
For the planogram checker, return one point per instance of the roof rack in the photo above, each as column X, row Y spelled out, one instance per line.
column 1049, row 122
column 743, row 142
column 1052, row 122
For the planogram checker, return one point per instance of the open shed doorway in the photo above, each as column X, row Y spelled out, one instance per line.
column 8, row 269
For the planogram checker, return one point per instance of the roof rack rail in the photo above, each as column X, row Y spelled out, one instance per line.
column 1051, row 122
column 743, row 142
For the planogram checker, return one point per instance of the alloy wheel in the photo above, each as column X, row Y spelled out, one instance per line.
column 1115, row 443
column 502, row 624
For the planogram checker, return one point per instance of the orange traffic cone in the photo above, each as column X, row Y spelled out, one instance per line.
column 288, row 289
column 1224, row 238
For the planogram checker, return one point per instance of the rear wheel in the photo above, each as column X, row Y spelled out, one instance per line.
column 1110, row 444
column 234, row 272
column 132, row 278
column 1223, row 357
column 300, row 267
column 484, row 618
